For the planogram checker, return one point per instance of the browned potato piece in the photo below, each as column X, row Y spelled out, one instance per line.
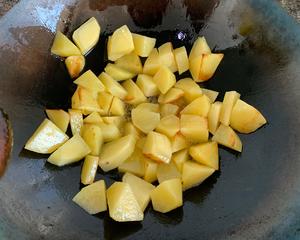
column 75, row 65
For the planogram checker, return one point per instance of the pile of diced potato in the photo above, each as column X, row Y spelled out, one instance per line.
column 172, row 139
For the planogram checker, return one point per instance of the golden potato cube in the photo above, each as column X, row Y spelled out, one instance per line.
column 109, row 131
column 112, row 86
column 71, row 151
column 168, row 109
column 179, row 158
column 150, row 171
column 129, row 128
column 92, row 198
column 194, row 128
column 166, row 56
column 75, row 65
column 93, row 137
column 182, row 60
column 63, row 47
column 134, row 164
column 195, row 67
column 167, row 196
column 191, row 89
column 89, row 169
column 164, row 79
column 229, row 100
column 152, row 63
column 122, row 203
column 147, row 86
column 119, row 121
column 172, row 95
column 209, row 65
column 105, row 100
column 90, row 81
column 214, row 117
column 211, row 94
column 179, row 142
column 167, row 171
column 200, row 47
column 93, row 118
column 117, row 107
column 134, row 94
column 169, row 126
column 131, row 63
column 76, row 121
column 59, row 117
column 245, row 118
column 158, row 147
column 143, row 45
column 118, row 73
column 200, row 106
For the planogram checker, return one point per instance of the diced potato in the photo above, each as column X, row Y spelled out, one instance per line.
column 131, row 63
column 146, row 84
column 76, row 121
column 211, row 94
column 179, row 158
column 129, row 128
column 209, row 65
column 245, row 118
column 89, row 169
column 143, row 45
column 193, row 174
column 200, row 47
column 134, row 164
column 63, row 47
column 116, row 152
column 93, row 137
column 169, row 126
column 84, row 100
column 229, row 100
column 164, row 79
column 158, row 147
column 122, row 204
column 134, row 94
column 46, row 138
column 179, row 142
column 75, row 65
column 228, row 138
column 166, row 56
column 206, row 154
column 150, row 171
column 140, row 188
column 59, row 117
column 191, row 89
column 182, row 60
column 112, row 86
column 71, row 151
column 167, row 196
column 117, row 107
column 194, row 128
column 118, row 73
column 172, row 95
column 92, row 198
column 167, row 171
column 90, row 81
column 152, row 63
column 168, row 109
column 121, row 43
column 119, row 121
column 110, row 132
column 93, row 118
column 105, row 100
column 200, row 106
column 214, row 117
column 195, row 67
column 110, row 54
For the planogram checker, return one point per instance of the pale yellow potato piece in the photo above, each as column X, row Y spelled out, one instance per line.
column 158, row 147
column 229, row 100
column 134, row 94
column 87, row 35
column 206, row 154
column 191, row 89
column 152, row 107
column 200, row 106
column 150, row 171
column 105, row 100
column 245, row 118
column 89, row 169
column 140, row 143
column 147, row 86
column 116, row 152
column 214, row 117
column 129, row 128
column 140, row 188
column 167, row 171
column 109, row 131
column 179, row 158
column 76, row 121
column 143, row 45
column 193, row 174
column 71, row 151
column 179, row 142
column 200, row 47
column 131, row 63
column 167, row 196
column 211, row 94
column 117, row 107
column 152, row 63
column 182, row 60
column 166, row 56
column 118, row 73
column 63, row 47
column 122, row 203
column 93, row 137
column 168, row 109
column 226, row 136
column 75, row 65
column 172, row 95
column 119, row 121
column 93, row 118
column 110, row 54
column 59, row 117
column 112, row 86
column 92, row 198
column 209, row 65
column 46, row 138
column 164, row 79
column 195, row 66
column 169, row 126
column 194, row 128
column 90, row 81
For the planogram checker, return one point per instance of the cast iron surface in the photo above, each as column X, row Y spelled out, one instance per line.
column 255, row 195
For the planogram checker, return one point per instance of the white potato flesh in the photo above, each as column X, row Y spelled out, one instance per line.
column 164, row 79
column 75, row 65
column 179, row 158
column 166, row 56
column 200, row 47
column 143, row 45
column 169, row 126
column 59, row 117
column 182, row 60
column 131, row 63
column 147, row 86
column 134, row 94
column 179, row 142
column 117, row 107
column 152, row 63
column 93, row 137
column 76, row 121
column 109, row 131
column 167, row 171
column 89, row 169
column 200, row 106
column 172, row 95
column 191, row 89
column 209, row 65
column 63, row 47
column 93, row 118
column 211, row 94
column 118, row 73
column 90, row 81
column 214, row 117
column 229, row 100
column 112, row 86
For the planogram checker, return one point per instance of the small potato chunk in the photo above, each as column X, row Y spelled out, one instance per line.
column 110, row 131
column 200, row 47
column 146, row 84
column 245, row 118
column 110, row 54
column 200, row 106
column 90, row 81
column 118, row 73
column 117, row 107
column 169, row 126
column 76, row 121
column 150, row 171
column 193, row 174
column 195, row 66
column 92, row 198
column 179, row 158
column 119, row 121
column 93, row 137
column 166, row 56
column 194, row 128
column 131, row 63
column 112, row 86
column 71, row 151
column 122, row 203
column 93, row 118
column 75, row 65
column 167, row 171
column 191, row 89
column 229, row 100
column 214, row 117
column 140, row 188
column 59, row 117
column 134, row 94
column 164, row 79
column 211, row 94
column 152, row 63
column 134, row 164
column 182, row 60
column 63, row 47
column 209, row 65
column 228, row 138
column 168, row 109
column 143, row 45
column 179, row 142
column 158, row 147
column 167, row 196
column 89, row 169
column 116, row 152
column 46, row 138
column 172, row 95
column 129, row 128
column 105, row 100
column 206, row 154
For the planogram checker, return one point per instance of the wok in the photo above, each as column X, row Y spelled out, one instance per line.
column 255, row 195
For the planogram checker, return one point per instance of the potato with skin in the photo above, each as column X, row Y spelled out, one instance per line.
column 59, row 117
column 152, row 63
column 118, row 73
column 63, row 47
column 164, row 79
column 229, row 100
column 90, row 81
column 179, row 158
column 76, row 121
column 93, row 137
column 150, row 171
column 167, row 171
column 89, row 169
column 191, row 89
column 172, row 95
column 112, row 86
column 200, row 106
column 131, row 63
column 179, row 142
column 75, row 65
column 166, row 56
column 169, row 126
column 143, row 45
column 134, row 94
column 214, row 117
column 181, row 59
column 147, row 86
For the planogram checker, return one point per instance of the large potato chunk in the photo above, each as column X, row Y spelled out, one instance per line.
column 46, row 138
column 200, row 47
column 90, row 81
column 59, row 117
column 200, row 106
column 112, row 86
column 146, row 84
column 143, row 45
column 209, row 65
column 182, row 60
column 75, row 65
column 164, row 79
column 63, row 47
column 245, row 118
column 179, row 158
column 131, row 63
column 166, row 56
column 191, row 89
column 229, row 100
column 122, row 204
column 134, row 164
column 167, row 196
column 116, row 152
column 167, row 171
column 89, row 169
column 134, row 94
column 179, row 142
column 150, row 171
column 152, row 63
column 214, row 117
column 169, row 126
column 71, row 151
column 92, row 198
column 93, row 137
column 76, row 121
column 118, row 73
